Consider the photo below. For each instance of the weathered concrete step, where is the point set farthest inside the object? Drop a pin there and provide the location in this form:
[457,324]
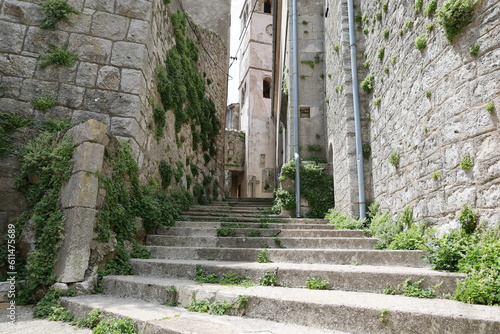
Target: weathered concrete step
[395,258]
[268,219]
[341,277]
[232,214]
[215,224]
[152,318]
[259,242]
[226,208]
[242,232]
[356,312]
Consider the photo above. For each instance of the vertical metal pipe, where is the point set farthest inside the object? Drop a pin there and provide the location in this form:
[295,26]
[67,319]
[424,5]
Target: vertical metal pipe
[357,118]
[295,88]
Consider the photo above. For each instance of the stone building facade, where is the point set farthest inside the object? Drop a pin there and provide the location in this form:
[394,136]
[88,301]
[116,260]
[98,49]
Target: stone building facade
[427,107]
[256,120]
[120,44]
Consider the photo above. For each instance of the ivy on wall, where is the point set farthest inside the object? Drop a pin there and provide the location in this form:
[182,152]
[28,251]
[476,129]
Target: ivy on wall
[182,90]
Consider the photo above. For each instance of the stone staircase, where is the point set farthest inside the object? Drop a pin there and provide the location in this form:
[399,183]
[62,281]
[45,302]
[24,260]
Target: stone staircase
[300,249]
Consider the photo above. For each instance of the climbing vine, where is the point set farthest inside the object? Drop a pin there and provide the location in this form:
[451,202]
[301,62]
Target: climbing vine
[182,90]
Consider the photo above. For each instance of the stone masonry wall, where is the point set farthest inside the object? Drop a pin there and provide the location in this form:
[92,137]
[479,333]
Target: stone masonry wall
[120,43]
[432,134]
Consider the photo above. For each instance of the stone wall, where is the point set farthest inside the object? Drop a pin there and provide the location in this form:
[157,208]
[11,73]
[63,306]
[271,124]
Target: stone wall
[432,110]
[120,43]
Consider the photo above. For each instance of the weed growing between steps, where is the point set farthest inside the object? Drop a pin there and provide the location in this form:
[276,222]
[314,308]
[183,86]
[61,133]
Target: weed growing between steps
[218,307]
[91,320]
[269,278]
[263,257]
[343,222]
[316,283]
[471,249]
[316,188]
[412,289]
[224,279]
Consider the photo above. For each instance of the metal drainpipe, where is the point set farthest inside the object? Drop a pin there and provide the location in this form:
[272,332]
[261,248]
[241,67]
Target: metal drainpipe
[295,107]
[357,118]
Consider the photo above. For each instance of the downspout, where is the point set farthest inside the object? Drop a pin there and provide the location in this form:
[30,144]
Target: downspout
[357,118]
[295,107]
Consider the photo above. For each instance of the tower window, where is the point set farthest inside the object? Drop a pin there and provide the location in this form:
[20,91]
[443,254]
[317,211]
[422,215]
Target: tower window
[266,90]
[267,6]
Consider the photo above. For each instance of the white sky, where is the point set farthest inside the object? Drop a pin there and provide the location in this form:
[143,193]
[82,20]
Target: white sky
[236,6]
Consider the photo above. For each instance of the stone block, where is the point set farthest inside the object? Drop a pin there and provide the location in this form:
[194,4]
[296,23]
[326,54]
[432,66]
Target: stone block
[80,191]
[57,73]
[113,103]
[102,5]
[128,127]
[77,23]
[21,12]
[11,86]
[128,54]
[71,96]
[12,36]
[108,78]
[132,81]
[109,26]
[73,257]
[39,40]
[138,31]
[90,131]
[15,65]
[137,9]
[85,115]
[88,157]
[32,88]
[92,49]
[16,106]
[87,74]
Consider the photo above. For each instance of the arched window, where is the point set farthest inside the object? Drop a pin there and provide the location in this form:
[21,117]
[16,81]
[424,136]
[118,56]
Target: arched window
[266,88]
[268,5]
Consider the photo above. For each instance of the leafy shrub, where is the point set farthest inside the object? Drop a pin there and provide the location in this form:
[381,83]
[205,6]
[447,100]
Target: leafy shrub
[140,252]
[482,286]
[316,283]
[55,11]
[58,56]
[9,123]
[113,326]
[51,303]
[394,158]
[467,163]
[455,15]
[43,102]
[490,107]
[269,278]
[60,314]
[430,9]
[381,53]
[468,219]
[412,238]
[91,320]
[166,174]
[367,83]
[421,42]
[410,289]
[418,6]
[343,222]
[445,253]
[385,229]
[263,257]
[226,232]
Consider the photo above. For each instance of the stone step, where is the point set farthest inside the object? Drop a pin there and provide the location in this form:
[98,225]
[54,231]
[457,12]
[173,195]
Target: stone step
[227,208]
[260,242]
[232,214]
[268,219]
[341,277]
[394,258]
[151,318]
[355,312]
[282,233]
[214,224]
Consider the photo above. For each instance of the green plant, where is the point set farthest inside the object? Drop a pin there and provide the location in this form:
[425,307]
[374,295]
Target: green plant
[263,257]
[219,307]
[411,289]
[467,163]
[421,42]
[445,253]
[316,283]
[114,326]
[55,11]
[386,70]
[336,47]
[311,63]
[430,9]
[490,107]
[160,119]
[367,83]
[9,123]
[474,50]
[454,15]
[241,302]
[91,320]
[277,242]
[468,219]
[43,102]
[436,174]
[400,32]
[60,314]
[366,31]
[418,6]
[385,6]
[339,88]
[394,158]
[314,148]
[384,228]
[383,316]
[393,60]
[413,238]
[380,53]
[269,278]
[166,174]
[429,27]
[58,56]
[226,232]
[428,94]
[366,64]
[343,222]
[254,234]
[408,24]
[378,16]
[167,2]
[386,33]
[367,150]
[51,303]
[139,252]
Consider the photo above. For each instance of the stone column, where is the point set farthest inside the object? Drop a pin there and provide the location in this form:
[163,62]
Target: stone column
[78,200]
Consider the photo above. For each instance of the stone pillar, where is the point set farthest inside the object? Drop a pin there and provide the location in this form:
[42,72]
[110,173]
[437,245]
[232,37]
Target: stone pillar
[78,200]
